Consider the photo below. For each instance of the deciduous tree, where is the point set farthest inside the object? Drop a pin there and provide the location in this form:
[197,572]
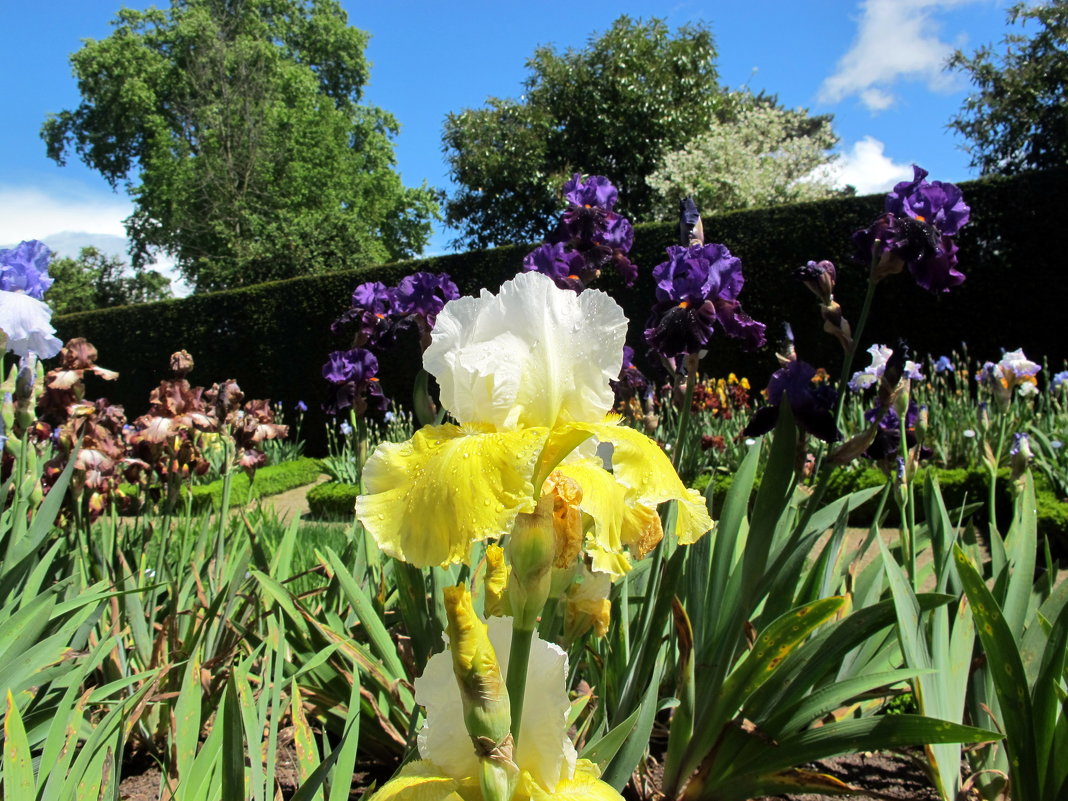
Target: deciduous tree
[613,108]
[760,155]
[1017,117]
[97,280]
[236,126]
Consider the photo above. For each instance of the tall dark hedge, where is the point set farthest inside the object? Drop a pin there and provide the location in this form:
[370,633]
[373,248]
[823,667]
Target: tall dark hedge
[273,338]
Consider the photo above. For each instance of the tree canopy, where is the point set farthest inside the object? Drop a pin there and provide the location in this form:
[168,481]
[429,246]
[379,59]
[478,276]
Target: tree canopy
[759,155]
[1017,119]
[613,108]
[236,126]
[96,280]
[618,107]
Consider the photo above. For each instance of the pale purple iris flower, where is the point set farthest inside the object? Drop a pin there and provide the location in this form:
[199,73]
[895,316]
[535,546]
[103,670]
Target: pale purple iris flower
[943,365]
[870,375]
[24,268]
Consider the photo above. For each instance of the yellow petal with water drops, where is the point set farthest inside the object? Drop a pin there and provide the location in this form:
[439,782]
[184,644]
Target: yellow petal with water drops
[422,781]
[429,498]
[640,465]
[614,563]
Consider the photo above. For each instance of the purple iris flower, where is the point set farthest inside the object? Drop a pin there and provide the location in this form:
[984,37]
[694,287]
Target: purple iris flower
[915,232]
[424,295]
[811,402]
[697,287]
[374,296]
[567,268]
[596,190]
[1059,379]
[887,442]
[24,268]
[352,373]
[938,204]
[357,365]
[631,382]
[585,227]
[301,406]
[372,313]
[589,237]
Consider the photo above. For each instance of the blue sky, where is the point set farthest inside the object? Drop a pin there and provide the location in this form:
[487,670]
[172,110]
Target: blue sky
[876,65]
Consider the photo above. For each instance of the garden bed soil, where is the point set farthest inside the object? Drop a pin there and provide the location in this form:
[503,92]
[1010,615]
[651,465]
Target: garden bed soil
[883,775]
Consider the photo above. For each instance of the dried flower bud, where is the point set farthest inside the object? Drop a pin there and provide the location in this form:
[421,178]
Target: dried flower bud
[181,363]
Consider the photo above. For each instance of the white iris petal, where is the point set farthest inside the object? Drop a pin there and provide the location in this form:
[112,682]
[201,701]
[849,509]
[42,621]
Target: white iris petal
[27,322]
[531,356]
[545,751]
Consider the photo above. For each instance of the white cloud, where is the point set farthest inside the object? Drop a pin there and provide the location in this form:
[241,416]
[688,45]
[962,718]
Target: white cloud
[896,40]
[30,213]
[72,217]
[866,167]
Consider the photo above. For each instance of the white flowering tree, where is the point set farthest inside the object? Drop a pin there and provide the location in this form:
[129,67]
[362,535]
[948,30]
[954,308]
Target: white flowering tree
[762,156]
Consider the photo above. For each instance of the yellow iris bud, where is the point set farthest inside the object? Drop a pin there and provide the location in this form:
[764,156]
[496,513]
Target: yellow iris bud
[484,695]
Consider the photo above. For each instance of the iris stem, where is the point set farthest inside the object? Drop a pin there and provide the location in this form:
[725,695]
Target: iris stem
[516,681]
[858,332]
[691,362]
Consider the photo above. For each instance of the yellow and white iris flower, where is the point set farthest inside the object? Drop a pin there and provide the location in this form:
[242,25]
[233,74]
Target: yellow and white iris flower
[526,374]
[447,769]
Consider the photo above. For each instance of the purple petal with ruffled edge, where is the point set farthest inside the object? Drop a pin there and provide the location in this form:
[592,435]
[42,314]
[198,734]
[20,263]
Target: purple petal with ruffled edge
[565,267]
[596,190]
[936,203]
[938,272]
[356,365]
[425,294]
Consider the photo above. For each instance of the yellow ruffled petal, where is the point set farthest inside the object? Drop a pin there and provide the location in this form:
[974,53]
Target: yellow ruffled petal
[422,781]
[429,498]
[585,785]
[639,464]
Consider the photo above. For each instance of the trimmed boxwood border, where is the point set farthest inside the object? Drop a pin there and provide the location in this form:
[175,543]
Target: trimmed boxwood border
[270,480]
